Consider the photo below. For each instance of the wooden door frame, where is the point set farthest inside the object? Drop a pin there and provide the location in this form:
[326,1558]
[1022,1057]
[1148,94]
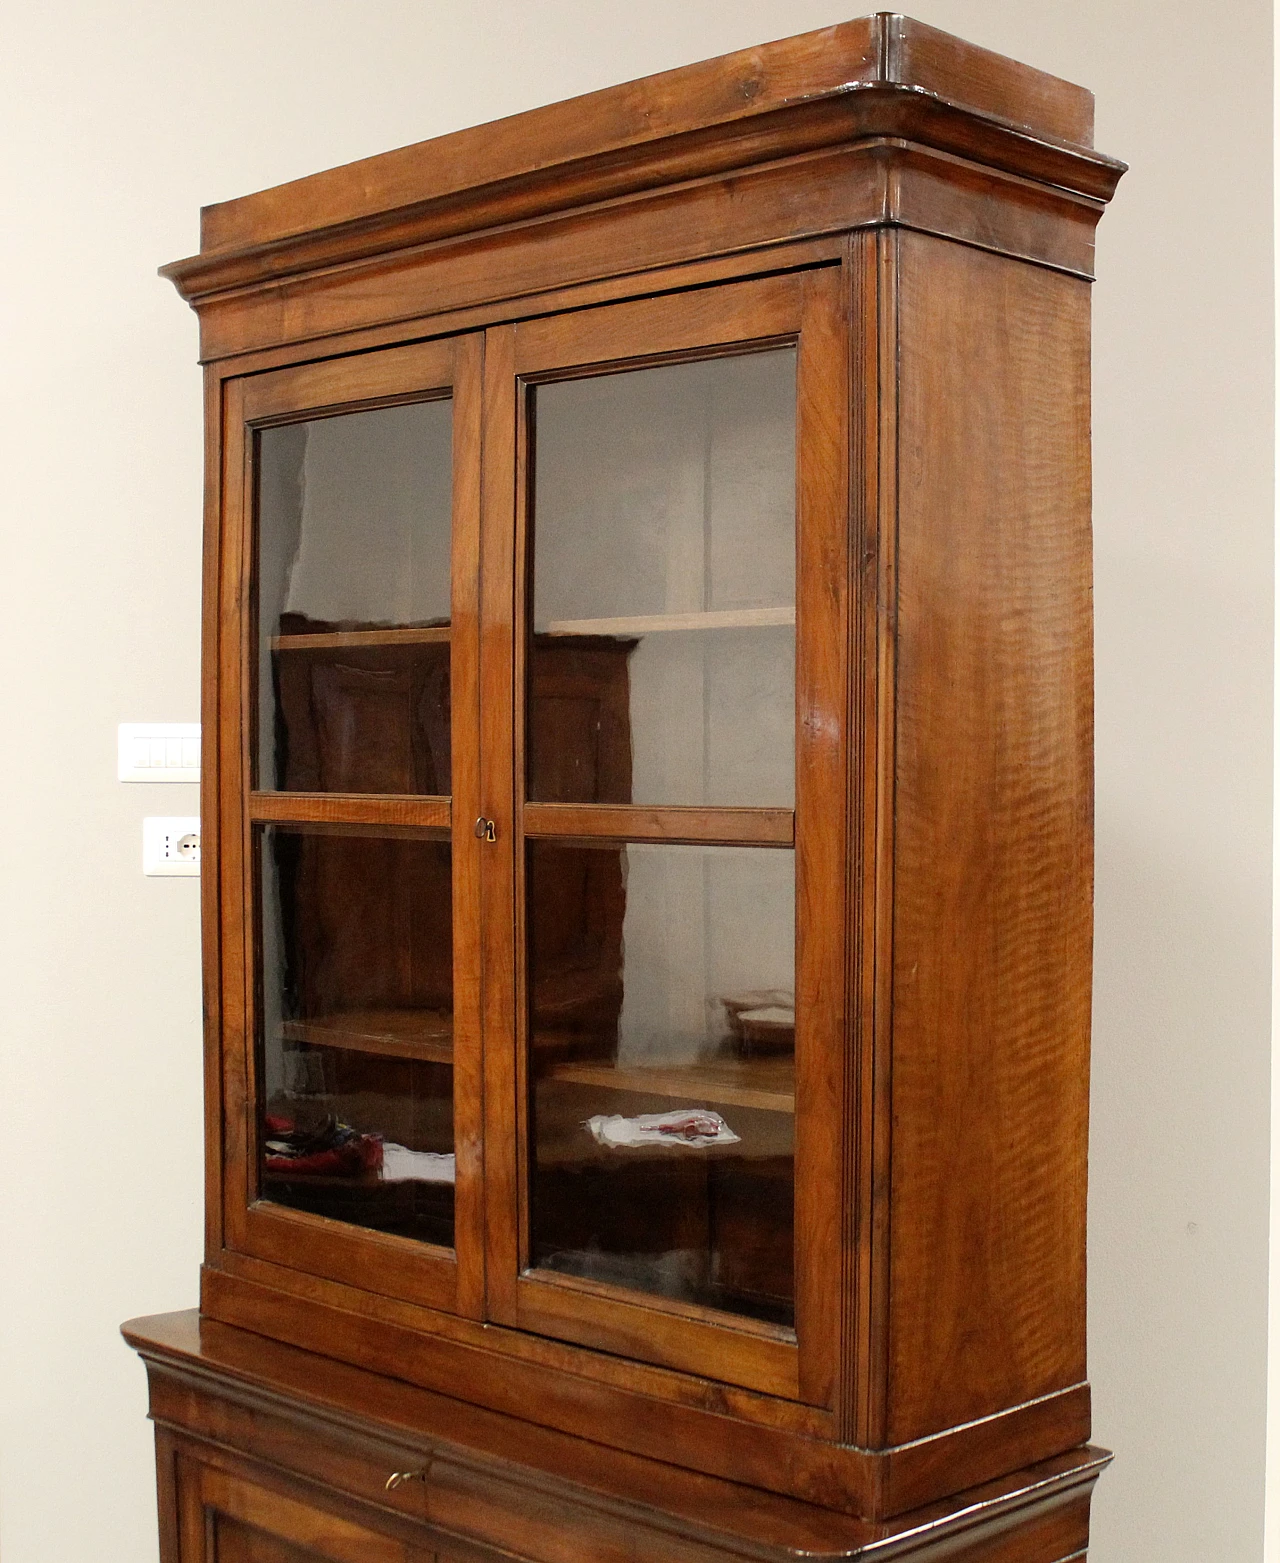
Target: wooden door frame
[807,309]
[396,1267]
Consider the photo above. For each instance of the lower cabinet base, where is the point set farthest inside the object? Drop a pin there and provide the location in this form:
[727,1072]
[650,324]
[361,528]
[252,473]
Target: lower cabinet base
[253,1468]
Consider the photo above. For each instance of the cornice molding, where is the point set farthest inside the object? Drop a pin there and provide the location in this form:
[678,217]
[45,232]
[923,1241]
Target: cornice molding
[881,76]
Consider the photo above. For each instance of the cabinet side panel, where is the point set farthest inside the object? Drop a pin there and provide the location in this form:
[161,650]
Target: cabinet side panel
[992,940]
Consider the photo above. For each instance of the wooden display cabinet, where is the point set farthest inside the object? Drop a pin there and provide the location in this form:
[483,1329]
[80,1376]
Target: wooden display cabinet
[647,823]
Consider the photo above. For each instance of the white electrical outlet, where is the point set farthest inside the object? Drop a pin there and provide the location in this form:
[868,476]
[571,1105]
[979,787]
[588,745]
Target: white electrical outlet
[171,846]
[158,752]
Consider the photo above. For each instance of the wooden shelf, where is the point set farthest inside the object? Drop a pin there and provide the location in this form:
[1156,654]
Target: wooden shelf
[423,1034]
[640,624]
[657,623]
[768,1084]
[333,640]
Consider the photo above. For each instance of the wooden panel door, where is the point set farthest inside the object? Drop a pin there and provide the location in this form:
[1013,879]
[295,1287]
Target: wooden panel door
[665,679]
[348,780]
[225,1517]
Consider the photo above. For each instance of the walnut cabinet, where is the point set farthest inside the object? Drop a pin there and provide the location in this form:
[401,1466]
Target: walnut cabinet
[647,829]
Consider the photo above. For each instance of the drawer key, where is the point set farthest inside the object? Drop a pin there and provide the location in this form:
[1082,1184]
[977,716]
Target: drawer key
[399,1478]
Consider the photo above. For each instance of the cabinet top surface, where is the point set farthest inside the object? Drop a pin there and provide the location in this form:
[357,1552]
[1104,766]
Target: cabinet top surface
[882,75]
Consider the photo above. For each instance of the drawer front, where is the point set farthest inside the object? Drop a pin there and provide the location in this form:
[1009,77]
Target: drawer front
[475,1511]
[243,1481]
[381,1472]
[230,1541]
[227,1518]
[229,1509]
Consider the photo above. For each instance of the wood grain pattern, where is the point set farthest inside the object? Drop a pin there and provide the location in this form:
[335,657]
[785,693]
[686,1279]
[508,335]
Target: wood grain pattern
[247,1521]
[499,670]
[804,309]
[874,75]
[879,651]
[673,823]
[954,198]
[993,834]
[697,323]
[764,312]
[513,1363]
[353,809]
[388,1033]
[802,199]
[415,373]
[917,216]
[167,1494]
[920,56]
[673,103]
[412,1271]
[468,801]
[822,752]
[672,1334]
[253,1439]
[617,287]
[625,1405]
[870,380]
[431,635]
[765,1083]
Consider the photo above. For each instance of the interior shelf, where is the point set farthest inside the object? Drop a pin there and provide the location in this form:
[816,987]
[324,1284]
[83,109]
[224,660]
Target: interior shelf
[423,1034]
[638,624]
[331,640]
[655,623]
[768,1084]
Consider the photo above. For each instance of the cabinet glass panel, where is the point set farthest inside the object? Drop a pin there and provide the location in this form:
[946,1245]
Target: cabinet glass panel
[356,1024]
[662,1068]
[662,669]
[354,525]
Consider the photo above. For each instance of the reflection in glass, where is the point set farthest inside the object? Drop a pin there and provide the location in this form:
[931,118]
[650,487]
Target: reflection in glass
[356,1001]
[664,546]
[662,1041]
[354,527]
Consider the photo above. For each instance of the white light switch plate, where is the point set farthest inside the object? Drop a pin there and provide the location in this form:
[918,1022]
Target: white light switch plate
[159,752]
[171,846]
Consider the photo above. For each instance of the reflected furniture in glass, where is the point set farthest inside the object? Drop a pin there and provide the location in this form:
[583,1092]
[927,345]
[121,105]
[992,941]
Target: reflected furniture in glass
[647,827]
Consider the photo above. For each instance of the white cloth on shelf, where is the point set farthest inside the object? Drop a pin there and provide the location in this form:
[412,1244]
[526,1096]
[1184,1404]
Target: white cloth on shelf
[685,1126]
[401,1165]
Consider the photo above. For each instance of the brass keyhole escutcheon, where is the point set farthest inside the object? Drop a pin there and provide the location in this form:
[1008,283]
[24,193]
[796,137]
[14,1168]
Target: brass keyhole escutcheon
[486,830]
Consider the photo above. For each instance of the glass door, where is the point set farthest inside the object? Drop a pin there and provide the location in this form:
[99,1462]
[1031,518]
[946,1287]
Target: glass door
[361,1058]
[679,727]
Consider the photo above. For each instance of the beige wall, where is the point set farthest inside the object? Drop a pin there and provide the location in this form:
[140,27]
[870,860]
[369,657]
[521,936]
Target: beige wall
[117,121]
